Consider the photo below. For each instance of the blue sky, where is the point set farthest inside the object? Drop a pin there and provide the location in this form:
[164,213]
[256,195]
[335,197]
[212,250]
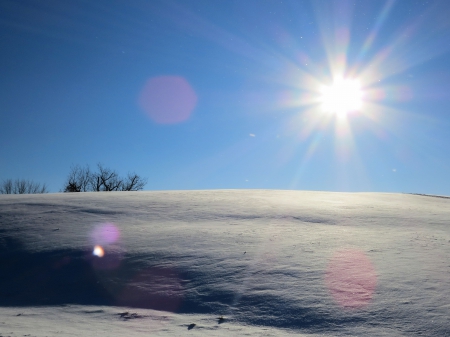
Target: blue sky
[226,94]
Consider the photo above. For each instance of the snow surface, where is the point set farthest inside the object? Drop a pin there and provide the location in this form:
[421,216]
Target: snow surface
[271,263]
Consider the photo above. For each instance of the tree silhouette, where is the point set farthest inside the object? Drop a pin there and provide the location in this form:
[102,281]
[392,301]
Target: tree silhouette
[82,179]
[22,186]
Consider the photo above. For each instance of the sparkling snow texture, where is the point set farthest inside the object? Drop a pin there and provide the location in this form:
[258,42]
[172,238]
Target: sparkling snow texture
[224,263]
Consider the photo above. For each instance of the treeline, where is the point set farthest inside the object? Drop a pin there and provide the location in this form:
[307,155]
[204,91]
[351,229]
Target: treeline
[21,186]
[80,179]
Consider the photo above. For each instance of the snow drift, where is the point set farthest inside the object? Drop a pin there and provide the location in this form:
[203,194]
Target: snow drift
[287,261]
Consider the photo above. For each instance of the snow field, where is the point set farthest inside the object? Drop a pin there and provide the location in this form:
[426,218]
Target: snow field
[271,262]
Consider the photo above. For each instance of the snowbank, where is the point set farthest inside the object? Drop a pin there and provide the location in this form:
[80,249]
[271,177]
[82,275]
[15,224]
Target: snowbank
[286,261]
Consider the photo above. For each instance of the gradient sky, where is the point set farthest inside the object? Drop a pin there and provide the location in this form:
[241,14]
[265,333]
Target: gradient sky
[208,94]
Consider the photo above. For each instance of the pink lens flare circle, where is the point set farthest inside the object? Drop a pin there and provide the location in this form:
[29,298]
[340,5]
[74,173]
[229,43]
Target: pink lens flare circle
[105,234]
[168,99]
[351,278]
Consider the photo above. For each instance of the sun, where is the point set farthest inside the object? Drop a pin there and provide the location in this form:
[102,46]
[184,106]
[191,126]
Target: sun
[345,95]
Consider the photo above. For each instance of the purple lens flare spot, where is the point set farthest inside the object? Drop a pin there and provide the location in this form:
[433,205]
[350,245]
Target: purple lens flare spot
[168,99]
[105,234]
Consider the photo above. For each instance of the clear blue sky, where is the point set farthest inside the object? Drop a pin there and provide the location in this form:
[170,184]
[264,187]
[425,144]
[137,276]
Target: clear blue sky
[209,94]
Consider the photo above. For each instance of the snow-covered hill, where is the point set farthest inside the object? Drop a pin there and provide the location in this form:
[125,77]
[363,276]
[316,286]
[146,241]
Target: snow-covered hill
[270,263]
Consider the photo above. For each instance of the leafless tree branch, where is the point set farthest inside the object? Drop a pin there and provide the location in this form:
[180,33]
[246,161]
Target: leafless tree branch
[21,186]
[133,182]
[104,179]
[79,179]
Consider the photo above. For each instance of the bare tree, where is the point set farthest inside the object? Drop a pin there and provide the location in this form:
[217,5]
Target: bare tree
[79,179]
[133,182]
[6,187]
[107,179]
[104,179]
[22,186]
[33,188]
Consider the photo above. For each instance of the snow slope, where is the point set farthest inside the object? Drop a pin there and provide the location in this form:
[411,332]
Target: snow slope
[272,263]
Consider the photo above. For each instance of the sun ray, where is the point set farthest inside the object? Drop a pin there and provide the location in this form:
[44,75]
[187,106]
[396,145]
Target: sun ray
[377,27]
[405,50]
[312,147]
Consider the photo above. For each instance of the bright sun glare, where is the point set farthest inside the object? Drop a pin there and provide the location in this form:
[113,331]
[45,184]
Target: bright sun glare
[342,97]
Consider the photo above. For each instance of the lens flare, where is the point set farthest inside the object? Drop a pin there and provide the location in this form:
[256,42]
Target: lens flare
[105,234]
[105,239]
[168,99]
[98,251]
[351,278]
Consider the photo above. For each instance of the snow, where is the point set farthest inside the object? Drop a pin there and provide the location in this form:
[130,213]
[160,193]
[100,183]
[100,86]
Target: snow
[271,263]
